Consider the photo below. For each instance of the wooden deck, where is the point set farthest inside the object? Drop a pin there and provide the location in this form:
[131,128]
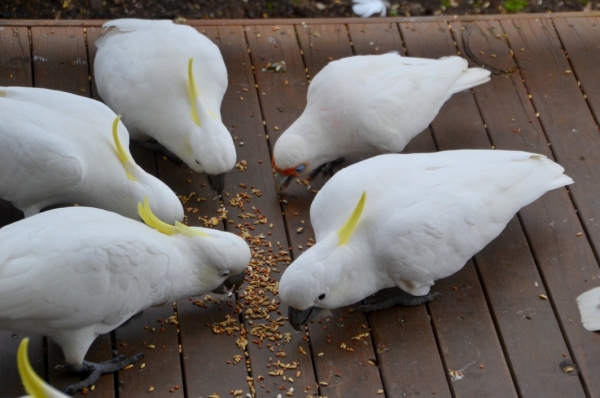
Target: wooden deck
[494,325]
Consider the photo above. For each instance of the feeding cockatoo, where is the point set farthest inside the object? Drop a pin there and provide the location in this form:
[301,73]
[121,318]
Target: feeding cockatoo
[60,148]
[589,308]
[34,385]
[366,106]
[74,273]
[168,82]
[411,228]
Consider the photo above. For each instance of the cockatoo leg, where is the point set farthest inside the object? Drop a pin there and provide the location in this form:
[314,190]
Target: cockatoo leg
[326,168]
[97,369]
[153,145]
[396,297]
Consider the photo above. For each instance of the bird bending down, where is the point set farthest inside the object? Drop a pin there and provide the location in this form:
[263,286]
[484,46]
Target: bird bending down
[60,148]
[366,106]
[74,273]
[410,228]
[168,82]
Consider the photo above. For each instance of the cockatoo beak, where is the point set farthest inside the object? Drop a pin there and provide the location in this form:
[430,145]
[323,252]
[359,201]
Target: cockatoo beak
[217,182]
[281,181]
[231,284]
[300,317]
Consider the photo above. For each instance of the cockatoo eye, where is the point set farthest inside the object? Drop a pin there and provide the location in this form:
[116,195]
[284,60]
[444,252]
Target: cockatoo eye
[300,169]
[197,161]
[322,296]
[224,273]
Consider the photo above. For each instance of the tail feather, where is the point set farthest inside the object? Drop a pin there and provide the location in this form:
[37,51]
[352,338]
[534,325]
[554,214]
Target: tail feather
[589,308]
[470,78]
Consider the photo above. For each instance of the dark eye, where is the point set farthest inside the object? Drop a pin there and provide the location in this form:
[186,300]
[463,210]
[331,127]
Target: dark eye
[225,273]
[300,169]
[322,296]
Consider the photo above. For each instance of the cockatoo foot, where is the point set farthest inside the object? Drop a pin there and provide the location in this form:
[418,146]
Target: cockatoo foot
[97,369]
[398,297]
[154,146]
[326,168]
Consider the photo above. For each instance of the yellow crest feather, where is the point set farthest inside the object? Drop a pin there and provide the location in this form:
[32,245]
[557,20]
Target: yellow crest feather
[33,383]
[151,220]
[120,150]
[193,92]
[346,231]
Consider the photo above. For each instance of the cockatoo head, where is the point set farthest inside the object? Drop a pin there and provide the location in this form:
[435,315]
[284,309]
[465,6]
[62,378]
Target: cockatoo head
[324,276]
[290,159]
[206,145]
[220,257]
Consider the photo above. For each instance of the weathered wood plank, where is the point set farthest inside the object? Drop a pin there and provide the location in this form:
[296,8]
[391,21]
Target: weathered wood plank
[569,126]
[463,323]
[411,338]
[246,116]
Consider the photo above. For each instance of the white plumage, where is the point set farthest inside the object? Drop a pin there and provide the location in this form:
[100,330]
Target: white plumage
[75,273]
[368,105]
[424,216]
[589,308]
[57,148]
[141,71]
[366,8]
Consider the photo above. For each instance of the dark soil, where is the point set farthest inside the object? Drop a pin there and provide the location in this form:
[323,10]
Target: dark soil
[237,9]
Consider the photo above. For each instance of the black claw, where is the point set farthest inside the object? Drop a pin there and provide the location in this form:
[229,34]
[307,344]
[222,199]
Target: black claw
[326,168]
[97,369]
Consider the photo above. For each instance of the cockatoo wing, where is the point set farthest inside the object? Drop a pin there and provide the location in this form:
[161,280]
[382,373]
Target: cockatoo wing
[65,278]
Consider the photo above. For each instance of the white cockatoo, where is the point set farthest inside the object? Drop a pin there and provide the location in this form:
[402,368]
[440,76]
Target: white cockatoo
[410,229]
[366,106]
[168,82]
[74,273]
[366,8]
[34,385]
[60,148]
[589,308]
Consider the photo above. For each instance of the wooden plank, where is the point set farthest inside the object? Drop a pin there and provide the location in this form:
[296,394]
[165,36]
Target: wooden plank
[347,374]
[463,323]
[421,369]
[256,181]
[557,97]
[60,63]
[564,114]
[580,38]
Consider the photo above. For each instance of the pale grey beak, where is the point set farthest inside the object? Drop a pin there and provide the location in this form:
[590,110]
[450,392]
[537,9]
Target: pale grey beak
[217,182]
[298,318]
[281,181]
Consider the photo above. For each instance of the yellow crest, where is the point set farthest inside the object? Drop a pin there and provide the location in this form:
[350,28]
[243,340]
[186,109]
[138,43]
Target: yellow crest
[193,92]
[151,220]
[346,231]
[120,150]
[31,381]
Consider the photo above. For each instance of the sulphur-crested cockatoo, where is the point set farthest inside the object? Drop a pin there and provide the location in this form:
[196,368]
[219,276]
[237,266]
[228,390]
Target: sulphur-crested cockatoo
[74,273]
[589,308]
[366,106]
[366,8]
[411,228]
[60,148]
[168,82]
[34,385]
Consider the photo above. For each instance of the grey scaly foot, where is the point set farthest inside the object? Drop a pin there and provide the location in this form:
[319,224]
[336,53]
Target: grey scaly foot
[326,168]
[97,369]
[154,146]
[398,298]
